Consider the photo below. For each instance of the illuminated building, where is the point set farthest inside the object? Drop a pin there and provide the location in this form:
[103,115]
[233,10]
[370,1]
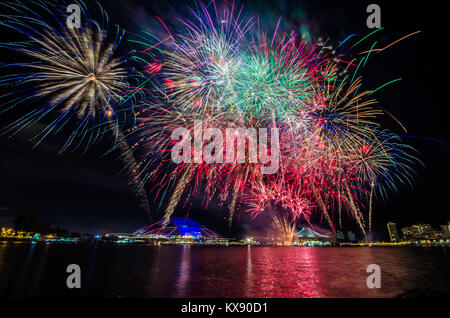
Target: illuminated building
[11,233]
[308,237]
[117,235]
[176,227]
[309,234]
[340,236]
[393,233]
[445,231]
[424,232]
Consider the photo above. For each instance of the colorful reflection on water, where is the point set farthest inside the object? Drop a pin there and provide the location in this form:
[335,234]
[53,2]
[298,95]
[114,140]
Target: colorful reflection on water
[193,271]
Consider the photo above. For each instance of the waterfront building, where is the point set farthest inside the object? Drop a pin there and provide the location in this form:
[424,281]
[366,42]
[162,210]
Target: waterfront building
[340,236]
[424,232]
[351,236]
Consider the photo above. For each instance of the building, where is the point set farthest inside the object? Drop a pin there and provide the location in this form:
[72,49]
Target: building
[340,236]
[308,234]
[176,227]
[393,233]
[308,237]
[424,232]
[445,231]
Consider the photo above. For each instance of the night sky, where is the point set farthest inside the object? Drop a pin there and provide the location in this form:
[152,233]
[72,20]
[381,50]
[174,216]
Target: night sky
[84,193]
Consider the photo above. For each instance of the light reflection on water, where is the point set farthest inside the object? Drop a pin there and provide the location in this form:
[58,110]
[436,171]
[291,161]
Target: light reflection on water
[193,271]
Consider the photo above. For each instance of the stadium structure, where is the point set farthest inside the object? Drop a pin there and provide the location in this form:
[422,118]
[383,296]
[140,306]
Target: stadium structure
[307,233]
[176,227]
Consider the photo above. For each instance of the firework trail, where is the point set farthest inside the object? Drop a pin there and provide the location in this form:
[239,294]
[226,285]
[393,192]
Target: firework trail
[372,185]
[129,163]
[285,203]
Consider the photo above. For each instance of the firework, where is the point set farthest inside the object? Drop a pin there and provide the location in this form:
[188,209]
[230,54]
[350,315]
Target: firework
[230,73]
[71,75]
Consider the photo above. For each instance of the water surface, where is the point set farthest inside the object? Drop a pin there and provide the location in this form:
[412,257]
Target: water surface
[197,271]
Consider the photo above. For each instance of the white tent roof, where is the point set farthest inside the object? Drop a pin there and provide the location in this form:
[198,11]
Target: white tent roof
[307,232]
